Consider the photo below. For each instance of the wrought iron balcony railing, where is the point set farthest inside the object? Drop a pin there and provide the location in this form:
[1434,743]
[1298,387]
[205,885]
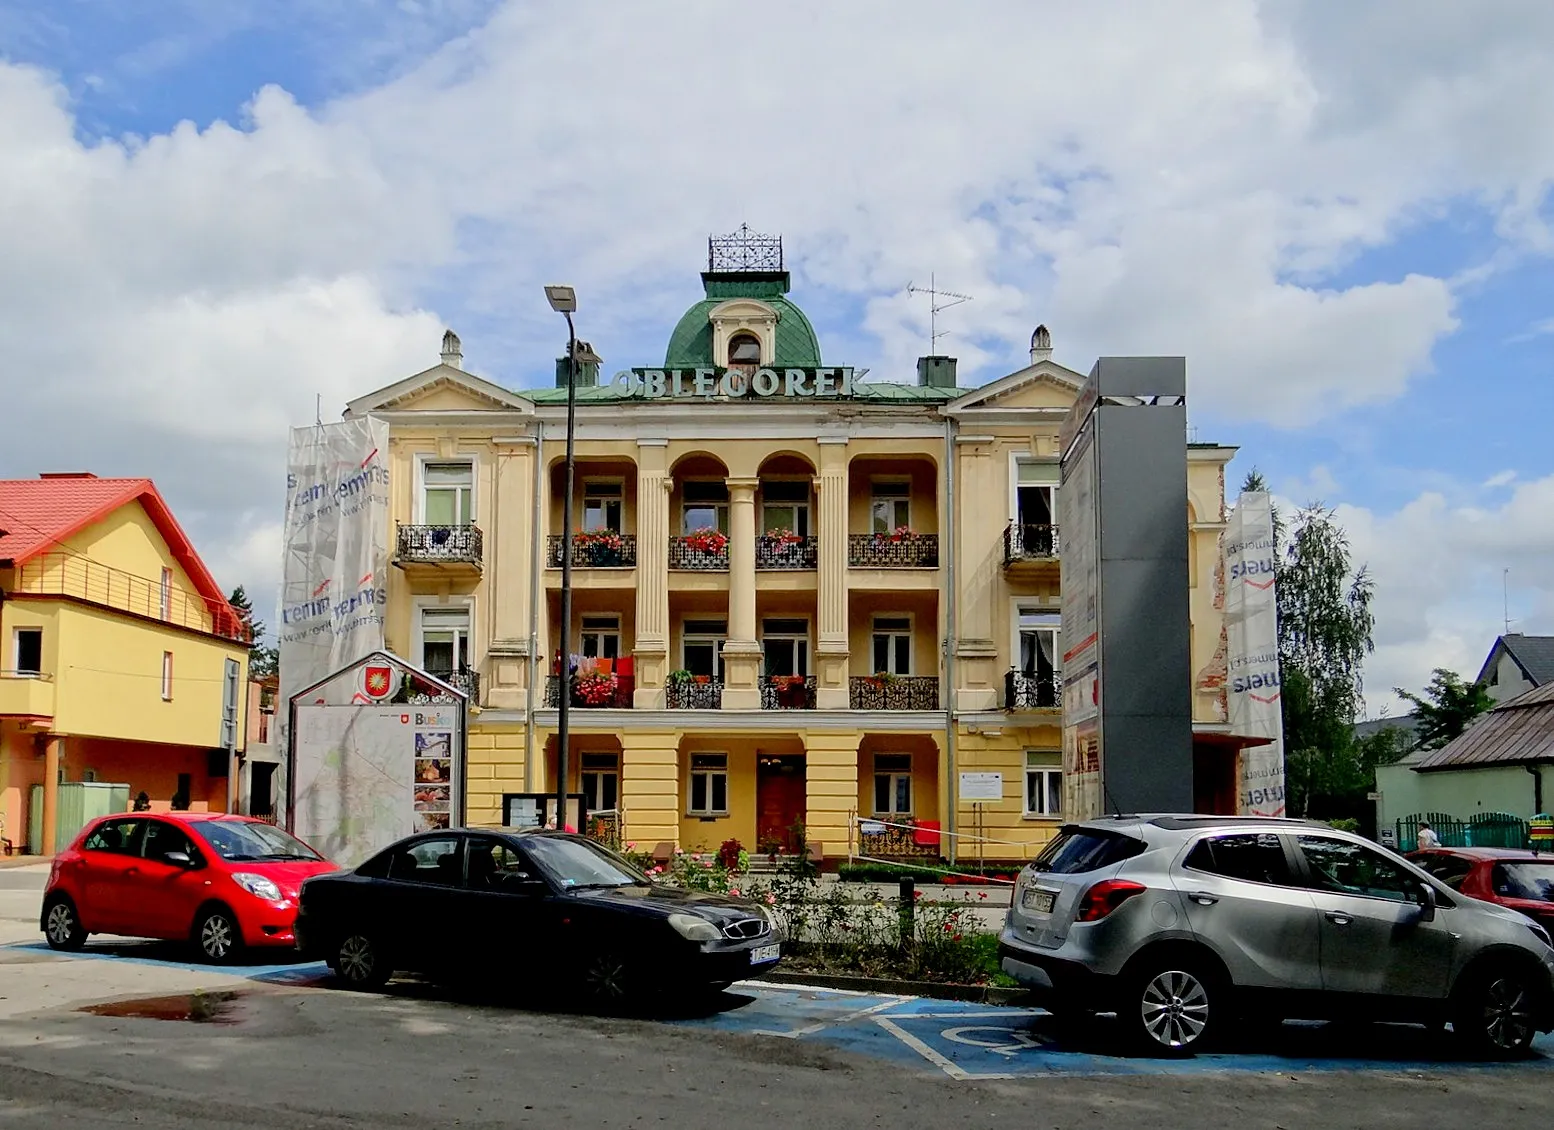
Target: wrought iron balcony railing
[441,545]
[1024,542]
[779,551]
[463,679]
[788,692]
[604,827]
[593,692]
[694,696]
[698,554]
[893,551]
[894,837]
[1032,692]
[594,551]
[893,692]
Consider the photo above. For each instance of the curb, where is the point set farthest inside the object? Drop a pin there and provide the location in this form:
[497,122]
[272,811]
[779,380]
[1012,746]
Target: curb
[890,986]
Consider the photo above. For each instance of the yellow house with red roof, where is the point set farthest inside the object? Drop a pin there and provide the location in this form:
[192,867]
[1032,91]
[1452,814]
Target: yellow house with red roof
[121,660]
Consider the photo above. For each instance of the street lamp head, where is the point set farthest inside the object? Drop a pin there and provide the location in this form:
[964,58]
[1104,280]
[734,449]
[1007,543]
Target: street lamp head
[562,299]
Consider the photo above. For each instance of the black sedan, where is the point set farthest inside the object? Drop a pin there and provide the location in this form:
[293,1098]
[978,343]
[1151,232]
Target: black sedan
[523,905]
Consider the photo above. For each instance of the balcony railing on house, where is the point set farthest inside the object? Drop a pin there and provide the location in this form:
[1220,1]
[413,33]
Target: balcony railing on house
[694,696]
[440,545]
[594,551]
[463,679]
[699,553]
[1032,692]
[786,551]
[788,692]
[893,551]
[893,692]
[596,691]
[1023,542]
[78,578]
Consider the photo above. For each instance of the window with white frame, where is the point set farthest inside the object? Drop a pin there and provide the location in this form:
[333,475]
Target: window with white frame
[890,505]
[701,648]
[165,603]
[1035,502]
[709,785]
[600,778]
[704,507]
[892,645]
[602,636]
[167,676]
[27,652]
[1043,782]
[447,494]
[603,506]
[785,646]
[1036,643]
[785,507]
[892,784]
[444,640]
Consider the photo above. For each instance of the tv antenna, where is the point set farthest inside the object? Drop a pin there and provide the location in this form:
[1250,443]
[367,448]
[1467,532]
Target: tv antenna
[1505,598]
[934,308]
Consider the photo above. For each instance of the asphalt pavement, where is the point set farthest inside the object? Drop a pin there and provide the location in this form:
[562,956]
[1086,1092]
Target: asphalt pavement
[134,1034]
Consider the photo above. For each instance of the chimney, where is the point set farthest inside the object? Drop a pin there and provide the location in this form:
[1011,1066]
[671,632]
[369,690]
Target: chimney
[587,371]
[452,352]
[1041,346]
[936,372]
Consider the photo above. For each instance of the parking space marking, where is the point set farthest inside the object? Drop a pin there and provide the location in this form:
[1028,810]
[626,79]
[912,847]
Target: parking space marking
[950,1068]
[811,1029]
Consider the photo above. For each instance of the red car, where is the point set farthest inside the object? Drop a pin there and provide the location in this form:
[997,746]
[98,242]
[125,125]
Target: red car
[221,882]
[1521,880]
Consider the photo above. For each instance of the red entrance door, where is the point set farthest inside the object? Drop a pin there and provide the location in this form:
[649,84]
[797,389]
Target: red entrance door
[779,802]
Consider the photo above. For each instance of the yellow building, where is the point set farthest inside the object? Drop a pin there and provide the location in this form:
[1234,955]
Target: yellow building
[122,662]
[770,554]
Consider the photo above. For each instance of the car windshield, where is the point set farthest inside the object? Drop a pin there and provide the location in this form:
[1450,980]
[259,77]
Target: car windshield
[241,842]
[577,864]
[1525,881]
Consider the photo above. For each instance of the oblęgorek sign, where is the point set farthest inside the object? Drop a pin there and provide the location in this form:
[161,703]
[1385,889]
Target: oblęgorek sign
[735,384]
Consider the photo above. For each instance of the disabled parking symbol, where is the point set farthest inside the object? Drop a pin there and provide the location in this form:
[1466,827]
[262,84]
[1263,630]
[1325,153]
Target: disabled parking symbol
[1007,1042]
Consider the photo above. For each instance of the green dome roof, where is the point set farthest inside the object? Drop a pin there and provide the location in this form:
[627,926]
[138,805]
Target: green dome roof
[690,346]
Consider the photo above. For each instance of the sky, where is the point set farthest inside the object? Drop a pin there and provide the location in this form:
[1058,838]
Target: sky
[217,215]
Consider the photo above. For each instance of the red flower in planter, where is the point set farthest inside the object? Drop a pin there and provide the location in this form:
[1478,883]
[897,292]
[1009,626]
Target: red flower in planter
[596,689]
[707,541]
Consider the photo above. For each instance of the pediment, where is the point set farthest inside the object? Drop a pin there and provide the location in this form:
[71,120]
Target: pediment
[742,310]
[442,388]
[1045,384]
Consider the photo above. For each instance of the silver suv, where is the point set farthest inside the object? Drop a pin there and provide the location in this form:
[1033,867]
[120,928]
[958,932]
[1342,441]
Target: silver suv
[1183,925]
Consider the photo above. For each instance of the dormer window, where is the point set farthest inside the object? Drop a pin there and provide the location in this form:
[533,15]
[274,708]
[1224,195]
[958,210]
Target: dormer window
[744,349]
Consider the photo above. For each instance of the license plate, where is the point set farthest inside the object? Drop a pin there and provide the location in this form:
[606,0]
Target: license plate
[1038,900]
[765,954]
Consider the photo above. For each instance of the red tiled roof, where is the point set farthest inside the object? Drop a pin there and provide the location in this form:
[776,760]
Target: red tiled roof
[41,515]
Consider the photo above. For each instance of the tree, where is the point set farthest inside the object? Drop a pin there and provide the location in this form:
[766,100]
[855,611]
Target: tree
[1447,707]
[1325,629]
[262,661]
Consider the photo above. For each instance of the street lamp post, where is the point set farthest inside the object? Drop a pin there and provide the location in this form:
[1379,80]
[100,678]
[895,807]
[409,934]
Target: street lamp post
[563,300]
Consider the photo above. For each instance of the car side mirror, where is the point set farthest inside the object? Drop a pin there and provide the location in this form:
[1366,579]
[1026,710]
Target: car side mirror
[177,859]
[1425,895]
[520,883]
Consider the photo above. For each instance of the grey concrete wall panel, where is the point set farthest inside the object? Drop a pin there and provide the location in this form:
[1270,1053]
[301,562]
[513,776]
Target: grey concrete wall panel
[1145,629]
[1140,376]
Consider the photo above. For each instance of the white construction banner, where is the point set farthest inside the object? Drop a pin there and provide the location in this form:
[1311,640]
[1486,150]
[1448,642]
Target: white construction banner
[1253,685]
[367,775]
[334,579]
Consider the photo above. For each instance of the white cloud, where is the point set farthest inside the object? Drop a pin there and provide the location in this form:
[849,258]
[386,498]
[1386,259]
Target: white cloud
[1500,479]
[1187,179]
[1438,568]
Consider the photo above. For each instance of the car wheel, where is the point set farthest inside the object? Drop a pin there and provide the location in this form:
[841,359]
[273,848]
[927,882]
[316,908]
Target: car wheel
[1171,1007]
[217,937]
[361,963]
[61,926]
[1495,1015]
[607,978]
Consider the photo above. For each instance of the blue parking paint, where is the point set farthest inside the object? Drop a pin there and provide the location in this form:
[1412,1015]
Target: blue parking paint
[963,1040]
[169,956]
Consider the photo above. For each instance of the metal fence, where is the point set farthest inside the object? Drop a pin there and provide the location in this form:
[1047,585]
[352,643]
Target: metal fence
[1487,829]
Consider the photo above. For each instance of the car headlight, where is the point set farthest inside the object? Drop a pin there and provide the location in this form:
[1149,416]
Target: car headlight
[258,886]
[694,929]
